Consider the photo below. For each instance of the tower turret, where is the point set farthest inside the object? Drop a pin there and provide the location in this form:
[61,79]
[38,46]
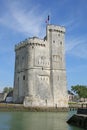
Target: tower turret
[55,38]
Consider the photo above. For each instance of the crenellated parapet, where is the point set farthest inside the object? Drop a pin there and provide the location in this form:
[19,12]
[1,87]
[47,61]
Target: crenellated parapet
[34,41]
[54,28]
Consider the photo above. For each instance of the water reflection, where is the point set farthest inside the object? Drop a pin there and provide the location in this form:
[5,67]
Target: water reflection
[35,121]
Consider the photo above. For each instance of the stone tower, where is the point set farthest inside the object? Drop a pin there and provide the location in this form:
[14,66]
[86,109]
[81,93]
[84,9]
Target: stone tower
[40,73]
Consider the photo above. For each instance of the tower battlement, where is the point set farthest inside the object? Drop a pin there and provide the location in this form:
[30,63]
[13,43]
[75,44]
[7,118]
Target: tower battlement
[60,29]
[34,41]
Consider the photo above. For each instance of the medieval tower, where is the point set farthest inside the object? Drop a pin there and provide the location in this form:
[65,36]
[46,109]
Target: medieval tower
[40,73]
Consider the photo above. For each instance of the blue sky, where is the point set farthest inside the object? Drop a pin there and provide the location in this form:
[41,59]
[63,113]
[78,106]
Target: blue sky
[20,19]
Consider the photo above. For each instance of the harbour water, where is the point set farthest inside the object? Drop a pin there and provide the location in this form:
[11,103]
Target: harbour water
[35,121]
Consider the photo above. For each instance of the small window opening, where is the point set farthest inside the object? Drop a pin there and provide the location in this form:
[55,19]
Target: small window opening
[24,77]
[53,41]
[61,42]
[22,57]
[59,34]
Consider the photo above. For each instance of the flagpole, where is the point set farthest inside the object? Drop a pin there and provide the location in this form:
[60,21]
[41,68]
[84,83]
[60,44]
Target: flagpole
[48,20]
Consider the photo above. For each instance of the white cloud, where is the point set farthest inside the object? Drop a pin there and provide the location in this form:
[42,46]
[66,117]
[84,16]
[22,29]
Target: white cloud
[28,21]
[72,43]
[77,47]
[81,51]
[31,20]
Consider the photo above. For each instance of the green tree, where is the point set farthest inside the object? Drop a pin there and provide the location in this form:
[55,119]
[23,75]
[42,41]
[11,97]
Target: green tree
[7,89]
[81,90]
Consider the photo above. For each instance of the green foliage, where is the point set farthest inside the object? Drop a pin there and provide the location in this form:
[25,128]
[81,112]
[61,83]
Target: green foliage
[81,90]
[7,89]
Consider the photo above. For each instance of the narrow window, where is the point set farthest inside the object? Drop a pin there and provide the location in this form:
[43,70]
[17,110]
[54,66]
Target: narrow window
[22,57]
[53,41]
[59,34]
[17,57]
[61,43]
[24,77]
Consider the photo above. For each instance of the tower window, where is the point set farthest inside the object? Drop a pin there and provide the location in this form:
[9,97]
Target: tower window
[24,77]
[22,57]
[61,43]
[59,34]
[17,57]
[53,41]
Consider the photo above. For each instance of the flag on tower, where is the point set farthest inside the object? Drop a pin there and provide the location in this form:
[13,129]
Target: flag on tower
[48,18]
[47,21]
